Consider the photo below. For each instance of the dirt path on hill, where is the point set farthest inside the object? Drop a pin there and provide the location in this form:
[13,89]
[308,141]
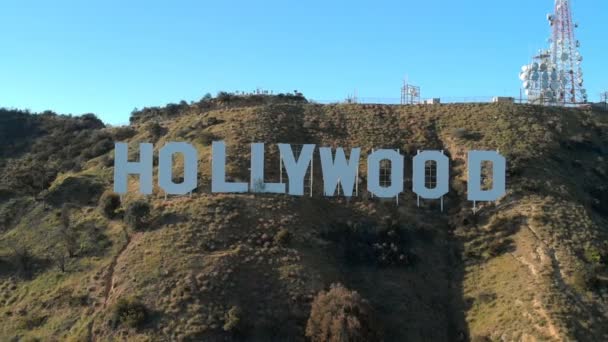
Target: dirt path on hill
[108,277]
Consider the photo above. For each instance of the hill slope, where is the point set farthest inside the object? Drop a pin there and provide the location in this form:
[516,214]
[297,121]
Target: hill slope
[532,266]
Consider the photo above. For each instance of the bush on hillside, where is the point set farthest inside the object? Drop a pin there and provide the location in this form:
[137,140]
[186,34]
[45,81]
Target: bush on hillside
[82,189]
[91,121]
[154,129]
[223,96]
[122,133]
[207,97]
[341,315]
[593,255]
[109,203]
[129,312]
[136,214]
[100,147]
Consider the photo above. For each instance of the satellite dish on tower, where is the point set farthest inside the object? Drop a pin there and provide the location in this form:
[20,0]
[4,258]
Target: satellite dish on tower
[535,76]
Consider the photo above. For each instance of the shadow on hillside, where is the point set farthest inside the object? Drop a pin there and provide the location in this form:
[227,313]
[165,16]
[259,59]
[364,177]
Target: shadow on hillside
[419,300]
[457,326]
[22,266]
[159,221]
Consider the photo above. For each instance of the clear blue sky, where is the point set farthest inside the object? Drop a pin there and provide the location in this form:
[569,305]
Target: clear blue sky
[108,57]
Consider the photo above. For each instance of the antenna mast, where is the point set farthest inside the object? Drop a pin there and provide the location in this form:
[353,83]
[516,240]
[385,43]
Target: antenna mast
[555,76]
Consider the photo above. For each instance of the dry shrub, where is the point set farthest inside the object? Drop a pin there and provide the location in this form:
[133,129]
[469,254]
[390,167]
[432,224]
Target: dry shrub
[341,315]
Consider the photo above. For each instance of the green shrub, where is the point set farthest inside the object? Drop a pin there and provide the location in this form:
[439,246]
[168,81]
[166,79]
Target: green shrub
[136,214]
[91,121]
[109,203]
[129,312]
[223,96]
[593,255]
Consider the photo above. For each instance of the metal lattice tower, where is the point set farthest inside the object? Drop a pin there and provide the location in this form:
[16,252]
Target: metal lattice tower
[604,99]
[555,77]
[410,94]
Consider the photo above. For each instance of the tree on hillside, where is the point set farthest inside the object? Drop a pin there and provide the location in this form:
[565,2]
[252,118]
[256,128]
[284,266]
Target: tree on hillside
[341,315]
[20,256]
[68,236]
[57,255]
[207,97]
[91,121]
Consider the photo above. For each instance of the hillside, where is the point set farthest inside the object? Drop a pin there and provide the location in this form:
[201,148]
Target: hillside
[215,267]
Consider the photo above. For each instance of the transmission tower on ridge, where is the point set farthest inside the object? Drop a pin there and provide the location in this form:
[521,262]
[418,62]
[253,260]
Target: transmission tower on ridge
[555,76]
[410,94]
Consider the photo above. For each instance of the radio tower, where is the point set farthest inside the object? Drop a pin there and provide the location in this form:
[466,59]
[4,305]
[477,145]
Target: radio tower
[556,77]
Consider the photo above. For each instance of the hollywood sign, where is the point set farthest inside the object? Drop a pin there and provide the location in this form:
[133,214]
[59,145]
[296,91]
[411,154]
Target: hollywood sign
[336,169]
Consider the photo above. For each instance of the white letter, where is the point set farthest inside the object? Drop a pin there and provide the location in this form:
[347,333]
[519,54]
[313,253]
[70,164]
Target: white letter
[123,168]
[499,165]
[296,170]
[373,173]
[218,171]
[257,172]
[165,168]
[339,170]
[443,174]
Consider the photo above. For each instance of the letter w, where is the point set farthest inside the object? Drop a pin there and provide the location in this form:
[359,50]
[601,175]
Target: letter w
[339,170]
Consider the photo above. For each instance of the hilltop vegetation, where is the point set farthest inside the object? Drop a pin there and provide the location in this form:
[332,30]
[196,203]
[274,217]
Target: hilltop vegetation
[80,263]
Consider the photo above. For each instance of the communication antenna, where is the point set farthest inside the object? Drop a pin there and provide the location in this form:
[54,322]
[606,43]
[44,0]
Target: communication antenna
[410,94]
[352,98]
[555,76]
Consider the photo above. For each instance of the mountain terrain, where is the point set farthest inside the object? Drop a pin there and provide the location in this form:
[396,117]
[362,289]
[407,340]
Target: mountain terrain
[79,263]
